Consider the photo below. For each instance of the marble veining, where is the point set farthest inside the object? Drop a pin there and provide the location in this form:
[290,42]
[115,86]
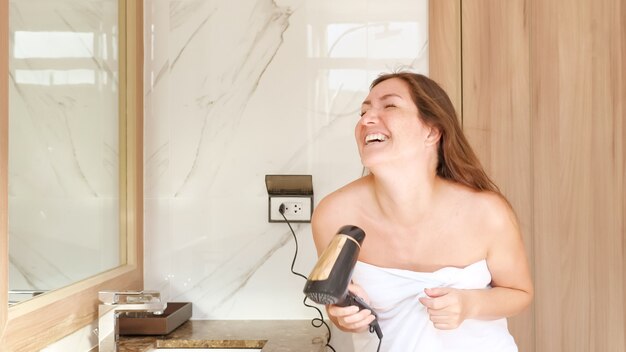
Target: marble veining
[269,335]
[242,76]
[235,279]
[238,91]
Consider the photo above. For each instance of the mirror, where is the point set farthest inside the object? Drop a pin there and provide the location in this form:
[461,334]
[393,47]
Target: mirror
[64,146]
[112,204]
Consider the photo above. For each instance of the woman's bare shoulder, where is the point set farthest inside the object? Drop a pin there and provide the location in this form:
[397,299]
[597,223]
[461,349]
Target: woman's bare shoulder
[490,210]
[491,213]
[346,194]
[335,208]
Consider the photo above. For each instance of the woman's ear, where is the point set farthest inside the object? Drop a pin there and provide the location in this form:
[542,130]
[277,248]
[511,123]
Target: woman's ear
[433,136]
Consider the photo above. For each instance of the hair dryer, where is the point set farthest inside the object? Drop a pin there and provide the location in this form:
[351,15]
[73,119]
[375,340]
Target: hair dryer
[329,279]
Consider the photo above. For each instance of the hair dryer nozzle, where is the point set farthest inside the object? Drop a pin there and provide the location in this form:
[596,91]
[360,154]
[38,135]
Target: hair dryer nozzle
[328,282]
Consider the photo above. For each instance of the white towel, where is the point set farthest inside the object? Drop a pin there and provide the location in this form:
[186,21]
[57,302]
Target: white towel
[404,320]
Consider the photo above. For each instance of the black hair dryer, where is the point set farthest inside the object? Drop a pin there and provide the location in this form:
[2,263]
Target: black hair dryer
[329,279]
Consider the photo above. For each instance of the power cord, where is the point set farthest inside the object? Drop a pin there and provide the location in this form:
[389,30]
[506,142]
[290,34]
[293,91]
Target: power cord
[316,322]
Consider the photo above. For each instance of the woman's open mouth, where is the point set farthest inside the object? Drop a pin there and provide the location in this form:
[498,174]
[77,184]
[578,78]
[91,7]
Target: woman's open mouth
[375,138]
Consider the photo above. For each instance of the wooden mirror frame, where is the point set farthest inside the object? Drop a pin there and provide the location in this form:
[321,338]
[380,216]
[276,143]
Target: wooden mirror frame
[35,324]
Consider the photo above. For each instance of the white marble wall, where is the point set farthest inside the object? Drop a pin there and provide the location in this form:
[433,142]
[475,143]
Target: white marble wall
[239,89]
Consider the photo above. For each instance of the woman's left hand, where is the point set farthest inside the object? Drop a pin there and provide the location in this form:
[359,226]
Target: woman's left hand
[446,307]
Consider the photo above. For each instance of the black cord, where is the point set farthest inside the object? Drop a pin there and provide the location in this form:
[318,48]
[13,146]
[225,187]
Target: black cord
[316,322]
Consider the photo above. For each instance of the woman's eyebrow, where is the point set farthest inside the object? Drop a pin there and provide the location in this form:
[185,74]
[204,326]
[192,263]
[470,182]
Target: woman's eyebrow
[386,96]
[390,95]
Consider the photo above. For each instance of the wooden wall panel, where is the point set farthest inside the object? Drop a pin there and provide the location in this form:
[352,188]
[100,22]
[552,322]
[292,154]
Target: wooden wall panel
[444,47]
[496,112]
[574,176]
[568,188]
[578,116]
[621,115]
[544,103]
[549,317]
[606,100]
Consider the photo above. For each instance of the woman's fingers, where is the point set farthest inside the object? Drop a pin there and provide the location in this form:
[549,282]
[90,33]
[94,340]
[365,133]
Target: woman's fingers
[359,291]
[444,326]
[338,311]
[357,322]
[351,318]
[444,307]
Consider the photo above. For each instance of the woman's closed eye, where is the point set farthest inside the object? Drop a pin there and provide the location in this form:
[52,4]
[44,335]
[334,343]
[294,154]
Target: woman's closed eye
[385,106]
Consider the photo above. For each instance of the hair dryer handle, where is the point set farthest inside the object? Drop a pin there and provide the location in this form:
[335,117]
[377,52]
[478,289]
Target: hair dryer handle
[354,300]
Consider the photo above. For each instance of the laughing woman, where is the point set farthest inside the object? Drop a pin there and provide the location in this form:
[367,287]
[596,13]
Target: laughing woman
[443,264]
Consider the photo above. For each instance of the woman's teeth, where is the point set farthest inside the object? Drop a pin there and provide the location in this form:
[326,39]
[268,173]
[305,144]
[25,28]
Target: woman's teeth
[375,137]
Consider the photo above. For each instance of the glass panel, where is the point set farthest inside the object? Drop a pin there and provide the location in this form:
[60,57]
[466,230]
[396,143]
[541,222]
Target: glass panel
[63,143]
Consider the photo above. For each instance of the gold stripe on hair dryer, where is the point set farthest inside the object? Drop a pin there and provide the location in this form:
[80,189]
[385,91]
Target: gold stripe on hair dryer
[331,275]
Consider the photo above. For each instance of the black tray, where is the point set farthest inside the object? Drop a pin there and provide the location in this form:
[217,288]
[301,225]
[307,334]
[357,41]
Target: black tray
[174,315]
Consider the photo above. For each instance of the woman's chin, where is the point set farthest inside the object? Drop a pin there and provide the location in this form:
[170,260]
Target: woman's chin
[372,162]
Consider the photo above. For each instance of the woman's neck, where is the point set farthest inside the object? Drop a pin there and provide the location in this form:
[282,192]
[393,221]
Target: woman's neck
[407,196]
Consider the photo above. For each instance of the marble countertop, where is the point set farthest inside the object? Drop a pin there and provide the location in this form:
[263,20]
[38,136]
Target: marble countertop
[271,335]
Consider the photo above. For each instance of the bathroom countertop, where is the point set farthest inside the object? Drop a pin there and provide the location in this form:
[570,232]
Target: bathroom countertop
[281,336]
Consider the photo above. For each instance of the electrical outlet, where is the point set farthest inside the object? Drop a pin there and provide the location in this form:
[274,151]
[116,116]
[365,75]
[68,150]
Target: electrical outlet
[297,209]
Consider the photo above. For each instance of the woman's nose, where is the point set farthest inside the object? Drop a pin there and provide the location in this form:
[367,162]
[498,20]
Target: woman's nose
[369,117]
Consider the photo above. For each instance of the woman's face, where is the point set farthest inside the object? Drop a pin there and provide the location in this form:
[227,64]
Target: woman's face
[390,130]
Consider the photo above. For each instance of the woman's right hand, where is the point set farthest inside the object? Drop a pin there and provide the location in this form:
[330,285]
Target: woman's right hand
[350,318]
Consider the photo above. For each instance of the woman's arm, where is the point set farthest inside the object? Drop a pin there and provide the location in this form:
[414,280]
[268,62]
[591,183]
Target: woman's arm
[512,288]
[326,220]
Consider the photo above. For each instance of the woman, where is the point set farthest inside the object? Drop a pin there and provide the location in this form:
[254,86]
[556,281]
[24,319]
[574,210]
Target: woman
[443,263]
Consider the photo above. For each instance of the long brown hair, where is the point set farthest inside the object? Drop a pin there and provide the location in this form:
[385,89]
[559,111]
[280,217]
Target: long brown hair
[456,159]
